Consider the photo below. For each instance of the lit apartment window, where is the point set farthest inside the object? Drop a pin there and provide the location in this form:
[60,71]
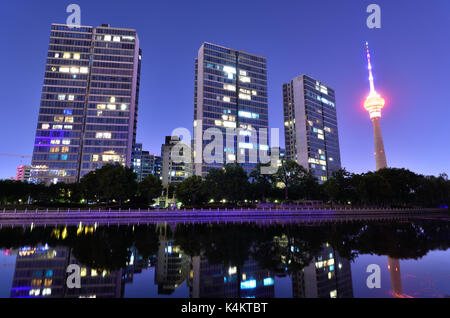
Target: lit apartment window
[103,135]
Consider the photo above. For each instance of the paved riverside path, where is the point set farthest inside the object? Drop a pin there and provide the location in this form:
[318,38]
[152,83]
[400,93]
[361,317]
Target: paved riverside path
[97,216]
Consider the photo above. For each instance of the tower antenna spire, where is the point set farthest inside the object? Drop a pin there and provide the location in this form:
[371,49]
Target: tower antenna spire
[372,86]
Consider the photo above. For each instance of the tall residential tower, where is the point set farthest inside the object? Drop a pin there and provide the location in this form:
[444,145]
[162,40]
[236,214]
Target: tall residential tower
[89,102]
[230,92]
[310,126]
[373,104]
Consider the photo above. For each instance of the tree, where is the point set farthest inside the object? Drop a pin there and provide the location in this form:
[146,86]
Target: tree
[110,182]
[261,184]
[192,191]
[339,188]
[374,189]
[230,183]
[290,174]
[150,188]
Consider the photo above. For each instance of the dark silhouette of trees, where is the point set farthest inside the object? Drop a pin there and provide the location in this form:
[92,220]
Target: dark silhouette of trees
[149,189]
[192,191]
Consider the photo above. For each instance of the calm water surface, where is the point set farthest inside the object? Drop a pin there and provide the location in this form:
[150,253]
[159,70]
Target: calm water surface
[228,260]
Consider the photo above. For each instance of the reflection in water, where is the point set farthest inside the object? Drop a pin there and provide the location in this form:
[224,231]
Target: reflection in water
[396,279]
[237,260]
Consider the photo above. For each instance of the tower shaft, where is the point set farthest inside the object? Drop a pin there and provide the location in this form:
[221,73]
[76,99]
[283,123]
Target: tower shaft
[380,155]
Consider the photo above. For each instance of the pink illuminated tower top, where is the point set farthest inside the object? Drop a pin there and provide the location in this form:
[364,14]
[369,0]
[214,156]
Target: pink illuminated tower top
[374,102]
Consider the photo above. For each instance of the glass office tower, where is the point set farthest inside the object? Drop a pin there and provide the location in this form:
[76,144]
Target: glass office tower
[310,126]
[89,102]
[230,92]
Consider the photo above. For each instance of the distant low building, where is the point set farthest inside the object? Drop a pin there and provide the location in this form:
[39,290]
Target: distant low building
[145,164]
[23,173]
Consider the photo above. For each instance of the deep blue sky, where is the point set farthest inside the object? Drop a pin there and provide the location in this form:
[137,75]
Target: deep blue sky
[324,39]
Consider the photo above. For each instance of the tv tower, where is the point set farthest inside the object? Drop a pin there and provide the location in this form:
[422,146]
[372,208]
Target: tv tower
[373,104]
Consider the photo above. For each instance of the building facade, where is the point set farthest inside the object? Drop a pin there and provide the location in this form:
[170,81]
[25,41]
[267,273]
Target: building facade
[89,102]
[230,92]
[23,173]
[145,164]
[310,126]
[174,168]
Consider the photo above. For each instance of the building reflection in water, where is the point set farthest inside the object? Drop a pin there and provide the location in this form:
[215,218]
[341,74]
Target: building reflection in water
[172,264]
[327,276]
[246,281]
[41,272]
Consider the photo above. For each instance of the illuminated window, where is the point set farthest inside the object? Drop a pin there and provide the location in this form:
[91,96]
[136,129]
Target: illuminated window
[94,157]
[58,119]
[229,87]
[243,73]
[244,79]
[56,55]
[45,126]
[112,99]
[64,69]
[66,55]
[245,96]
[107,38]
[54,149]
[64,149]
[71,97]
[84,70]
[66,142]
[226,99]
[116,39]
[76,56]
[229,124]
[124,107]
[99,112]
[55,141]
[229,71]
[69,127]
[101,106]
[61,97]
[68,119]
[103,135]
[83,272]
[333,293]
[111,107]
[46,291]
[57,127]
[93,273]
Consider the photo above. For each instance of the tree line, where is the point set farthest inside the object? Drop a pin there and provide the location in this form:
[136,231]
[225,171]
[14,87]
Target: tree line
[116,186]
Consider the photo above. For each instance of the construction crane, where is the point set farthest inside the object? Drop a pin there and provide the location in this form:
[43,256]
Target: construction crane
[14,155]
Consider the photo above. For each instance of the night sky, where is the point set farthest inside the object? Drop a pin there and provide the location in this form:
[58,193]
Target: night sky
[324,39]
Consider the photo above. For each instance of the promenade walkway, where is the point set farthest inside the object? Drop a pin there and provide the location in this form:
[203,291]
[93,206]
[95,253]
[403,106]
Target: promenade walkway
[98,216]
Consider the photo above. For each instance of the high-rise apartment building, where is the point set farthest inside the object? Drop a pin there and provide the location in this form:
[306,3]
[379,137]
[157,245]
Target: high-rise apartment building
[310,126]
[89,102]
[230,92]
